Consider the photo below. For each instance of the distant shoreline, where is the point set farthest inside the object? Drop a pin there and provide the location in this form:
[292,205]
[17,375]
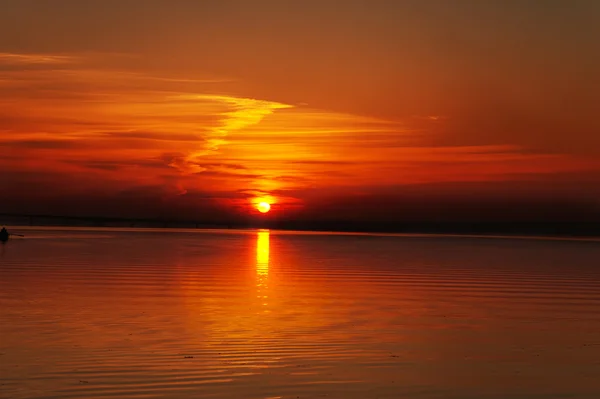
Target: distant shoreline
[575,229]
[304,232]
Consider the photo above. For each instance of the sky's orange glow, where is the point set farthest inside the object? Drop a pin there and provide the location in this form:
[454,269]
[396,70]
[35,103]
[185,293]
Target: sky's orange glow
[103,105]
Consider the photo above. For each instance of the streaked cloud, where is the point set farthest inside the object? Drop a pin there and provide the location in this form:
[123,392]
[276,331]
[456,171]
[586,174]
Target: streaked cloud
[25,59]
[240,113]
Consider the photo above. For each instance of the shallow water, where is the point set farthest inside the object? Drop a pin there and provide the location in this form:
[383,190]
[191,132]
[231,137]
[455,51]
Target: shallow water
[245,314]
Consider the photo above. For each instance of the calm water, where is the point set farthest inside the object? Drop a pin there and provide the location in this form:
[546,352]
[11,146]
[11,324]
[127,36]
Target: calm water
[155,314]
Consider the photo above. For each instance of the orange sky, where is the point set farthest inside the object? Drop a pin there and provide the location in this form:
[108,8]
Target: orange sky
[136,108]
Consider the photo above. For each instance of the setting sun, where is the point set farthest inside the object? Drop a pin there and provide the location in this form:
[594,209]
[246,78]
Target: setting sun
[263,207]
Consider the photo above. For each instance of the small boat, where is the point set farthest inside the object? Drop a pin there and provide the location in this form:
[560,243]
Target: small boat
[4,235]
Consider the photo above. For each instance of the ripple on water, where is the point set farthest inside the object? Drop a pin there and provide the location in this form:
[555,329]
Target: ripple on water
[134,314]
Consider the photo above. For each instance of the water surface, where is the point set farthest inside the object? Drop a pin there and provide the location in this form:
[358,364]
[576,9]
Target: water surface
[257,314]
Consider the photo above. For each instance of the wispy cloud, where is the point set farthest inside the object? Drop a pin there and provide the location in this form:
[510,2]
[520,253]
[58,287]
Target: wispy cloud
[239,114]
[24,59]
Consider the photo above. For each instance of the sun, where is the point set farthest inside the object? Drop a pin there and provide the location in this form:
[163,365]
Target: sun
[263,207]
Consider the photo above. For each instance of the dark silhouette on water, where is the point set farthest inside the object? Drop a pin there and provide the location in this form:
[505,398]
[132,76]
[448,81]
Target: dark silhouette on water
[4,235]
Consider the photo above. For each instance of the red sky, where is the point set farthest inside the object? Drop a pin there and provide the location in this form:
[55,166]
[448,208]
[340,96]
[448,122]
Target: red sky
[327,109]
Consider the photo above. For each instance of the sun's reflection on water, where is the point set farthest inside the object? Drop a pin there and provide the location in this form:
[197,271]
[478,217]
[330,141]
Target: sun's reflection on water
[262,265]
[262,253]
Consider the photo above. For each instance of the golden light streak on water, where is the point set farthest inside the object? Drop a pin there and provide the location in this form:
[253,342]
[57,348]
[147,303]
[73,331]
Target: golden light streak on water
[262,266]
[262,252]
